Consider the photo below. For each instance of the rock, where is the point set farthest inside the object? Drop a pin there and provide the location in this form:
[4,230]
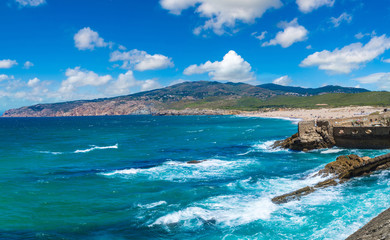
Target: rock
[195,161]
[341,170]
[306,143]
[377,229]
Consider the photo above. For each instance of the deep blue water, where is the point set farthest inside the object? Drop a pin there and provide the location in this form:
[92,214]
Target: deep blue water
[127,177]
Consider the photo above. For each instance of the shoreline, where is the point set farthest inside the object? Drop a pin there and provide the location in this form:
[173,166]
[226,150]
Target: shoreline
[313,114]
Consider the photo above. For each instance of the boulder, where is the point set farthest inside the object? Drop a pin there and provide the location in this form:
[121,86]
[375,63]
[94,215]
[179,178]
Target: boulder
[339,171]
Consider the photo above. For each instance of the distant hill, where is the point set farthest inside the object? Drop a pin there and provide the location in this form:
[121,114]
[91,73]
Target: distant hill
[311,91]
[205,97]
[201,90]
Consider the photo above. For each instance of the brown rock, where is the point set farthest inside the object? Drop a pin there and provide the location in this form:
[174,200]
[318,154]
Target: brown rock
[343,169]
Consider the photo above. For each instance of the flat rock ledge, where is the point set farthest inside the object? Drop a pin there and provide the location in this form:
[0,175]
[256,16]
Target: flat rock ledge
[377,229]
[343,169]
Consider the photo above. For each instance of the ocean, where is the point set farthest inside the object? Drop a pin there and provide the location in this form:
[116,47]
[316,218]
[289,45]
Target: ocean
[127,177]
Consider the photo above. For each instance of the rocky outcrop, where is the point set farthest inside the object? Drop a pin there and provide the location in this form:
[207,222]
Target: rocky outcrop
[377,229]
[339,171]
[308,138]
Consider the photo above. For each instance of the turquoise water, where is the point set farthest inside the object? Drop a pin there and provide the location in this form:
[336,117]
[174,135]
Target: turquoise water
[127,178]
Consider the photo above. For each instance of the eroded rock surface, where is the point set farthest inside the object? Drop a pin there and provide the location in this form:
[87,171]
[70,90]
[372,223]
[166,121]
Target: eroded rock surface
[339,171]
[377,229]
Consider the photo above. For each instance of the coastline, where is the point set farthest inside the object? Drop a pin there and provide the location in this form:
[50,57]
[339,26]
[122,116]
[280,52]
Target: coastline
[312,114]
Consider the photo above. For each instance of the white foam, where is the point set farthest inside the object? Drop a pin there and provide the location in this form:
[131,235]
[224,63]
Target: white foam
[182,171]
[152,205]
[54,153]
[231,210]
[125,172]
[96,148]
[332,150]
[267,146]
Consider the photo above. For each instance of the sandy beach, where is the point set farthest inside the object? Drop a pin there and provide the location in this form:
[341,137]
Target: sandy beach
[322,113]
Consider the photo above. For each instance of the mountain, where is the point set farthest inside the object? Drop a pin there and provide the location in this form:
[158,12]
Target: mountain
[194,98]
[287,90]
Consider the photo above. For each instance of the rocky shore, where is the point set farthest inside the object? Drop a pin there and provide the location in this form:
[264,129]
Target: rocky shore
[338,172]
[377,229]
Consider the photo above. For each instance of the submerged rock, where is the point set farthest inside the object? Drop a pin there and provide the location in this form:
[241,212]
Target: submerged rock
[341,170]
[195,161]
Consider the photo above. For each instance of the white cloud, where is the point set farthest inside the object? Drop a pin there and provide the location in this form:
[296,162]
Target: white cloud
[30,3]
[386,60]
[350,57]
[222,14]
[126,82]
[28,65]
[79,78]
[100,86]
[141,60]
[284,80]
[33,82]
[86,38]
[4,77]
[150,84]
[7,63]
[360,35]
[259,36]
[292,33]
[343,17]
[177,82]
[33,90]
[307,6]
[381,79]
[232,68]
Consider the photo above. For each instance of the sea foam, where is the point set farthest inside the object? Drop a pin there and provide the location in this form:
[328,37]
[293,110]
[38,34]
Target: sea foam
[182,171]
[96,148]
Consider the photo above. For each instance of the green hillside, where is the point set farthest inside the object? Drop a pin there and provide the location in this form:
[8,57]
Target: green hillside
[251,103]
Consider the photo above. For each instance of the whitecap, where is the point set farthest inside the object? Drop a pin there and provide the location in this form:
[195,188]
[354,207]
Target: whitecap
[97,148]
[231,210]
[152,205]
[267,146]
[332,150]
[49,152]
[182,171]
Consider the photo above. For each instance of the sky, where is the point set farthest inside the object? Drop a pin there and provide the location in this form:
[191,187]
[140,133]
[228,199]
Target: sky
[61,50]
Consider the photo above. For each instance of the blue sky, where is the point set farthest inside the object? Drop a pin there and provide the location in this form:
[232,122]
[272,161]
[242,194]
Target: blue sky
[60,50]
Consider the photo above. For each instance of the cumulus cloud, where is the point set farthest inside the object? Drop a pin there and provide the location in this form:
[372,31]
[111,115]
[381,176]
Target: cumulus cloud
[33,82]
[386,60]
[87,39]
[28,65]
[141,60]
[284,80]
[7,63]
[350,57]
[382,80]
[307,6]
[292,33]
[232,68]
[30,3]
[344,17]
[126,82]
[5,77]
[221,15]
[33,90]
[78,77]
